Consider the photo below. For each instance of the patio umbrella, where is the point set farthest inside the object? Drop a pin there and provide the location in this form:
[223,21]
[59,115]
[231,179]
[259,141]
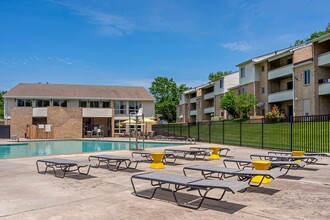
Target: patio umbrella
[149,121]
[132,121]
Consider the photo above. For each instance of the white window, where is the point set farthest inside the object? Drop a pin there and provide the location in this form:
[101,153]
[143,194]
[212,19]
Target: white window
[24,102]
[94,104]
[63,103]
[307,77]
[120,107]
[119,126]
[221,83]
[243,91]
[242,72]
[134,106]
[42,103]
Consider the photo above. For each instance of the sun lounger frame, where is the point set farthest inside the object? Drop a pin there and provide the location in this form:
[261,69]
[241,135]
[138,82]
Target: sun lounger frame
[197,154]
[116,161]
[64,165]
[223,173]
[168,157]
[222,149]
[184,183]
[306,159]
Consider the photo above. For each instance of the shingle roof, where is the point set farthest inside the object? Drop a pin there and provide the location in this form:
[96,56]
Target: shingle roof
[34,90]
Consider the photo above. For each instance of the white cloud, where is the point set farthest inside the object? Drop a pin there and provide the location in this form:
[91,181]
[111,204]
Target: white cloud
[238,46]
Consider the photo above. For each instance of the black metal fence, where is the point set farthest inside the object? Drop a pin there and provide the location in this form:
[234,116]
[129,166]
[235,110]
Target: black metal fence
[5,131]
[309,133]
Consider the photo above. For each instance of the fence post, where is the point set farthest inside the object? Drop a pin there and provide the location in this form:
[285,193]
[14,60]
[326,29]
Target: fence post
[291,127]
[180,130]
[262,133]
[188,130]
[240,132]
[198,131]
[223,131]
[209,131]
[168,129]
[174,126]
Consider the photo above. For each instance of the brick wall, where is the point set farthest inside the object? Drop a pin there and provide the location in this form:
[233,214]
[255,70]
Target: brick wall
[302,54]
[66,122]
[20,118]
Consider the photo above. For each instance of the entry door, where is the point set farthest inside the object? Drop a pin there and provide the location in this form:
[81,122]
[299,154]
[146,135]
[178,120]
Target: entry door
[307,107]
[290,110]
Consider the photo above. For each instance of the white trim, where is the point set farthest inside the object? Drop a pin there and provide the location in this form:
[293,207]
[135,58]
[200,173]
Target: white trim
[78,98]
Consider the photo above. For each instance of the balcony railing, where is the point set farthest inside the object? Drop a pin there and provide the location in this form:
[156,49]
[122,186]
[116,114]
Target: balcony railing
[324,88]
[39,112]
[97,112]
[209,96]
[324,59]
[208,110]
[193,112]
[193,100]
[280,96]
[280,72]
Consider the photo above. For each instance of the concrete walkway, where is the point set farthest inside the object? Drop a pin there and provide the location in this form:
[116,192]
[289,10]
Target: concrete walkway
[25,194]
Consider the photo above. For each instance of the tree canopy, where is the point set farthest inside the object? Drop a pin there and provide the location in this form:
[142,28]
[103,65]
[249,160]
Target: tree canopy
[244,103]
[228,103]
[314,35]
[214,76]
[2,104]
[166,93]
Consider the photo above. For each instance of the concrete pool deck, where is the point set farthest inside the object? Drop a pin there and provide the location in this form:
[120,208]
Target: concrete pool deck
[25,194]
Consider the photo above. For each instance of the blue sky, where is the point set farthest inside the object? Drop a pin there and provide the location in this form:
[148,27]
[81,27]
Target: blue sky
[116,42]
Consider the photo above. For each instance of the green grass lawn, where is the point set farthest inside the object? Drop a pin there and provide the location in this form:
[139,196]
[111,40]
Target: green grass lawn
[309,136]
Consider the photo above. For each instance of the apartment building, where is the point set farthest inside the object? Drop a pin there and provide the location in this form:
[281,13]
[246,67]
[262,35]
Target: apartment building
[295,79]
[201,103]
[73,110]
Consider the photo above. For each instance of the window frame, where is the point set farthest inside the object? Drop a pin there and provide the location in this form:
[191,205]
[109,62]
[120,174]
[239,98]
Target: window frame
[242,72]
[121,110]
[135,108]
[307,77]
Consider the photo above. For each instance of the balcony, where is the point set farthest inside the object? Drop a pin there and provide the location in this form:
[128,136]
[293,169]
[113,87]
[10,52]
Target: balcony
[97,112]
[208,110]
[193,112]
[280,72]
[324,59]
[39,112]
[324,89]
[280,96]
[209,96]
[193,100]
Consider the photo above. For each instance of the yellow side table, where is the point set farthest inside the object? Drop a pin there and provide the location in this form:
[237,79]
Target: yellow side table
[215,153]
[157,160]
[298,153]
[261,165]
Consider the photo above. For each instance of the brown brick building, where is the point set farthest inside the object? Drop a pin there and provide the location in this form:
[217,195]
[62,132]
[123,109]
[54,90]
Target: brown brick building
[74,110]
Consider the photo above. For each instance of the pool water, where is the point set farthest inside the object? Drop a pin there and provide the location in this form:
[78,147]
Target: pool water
[39,148]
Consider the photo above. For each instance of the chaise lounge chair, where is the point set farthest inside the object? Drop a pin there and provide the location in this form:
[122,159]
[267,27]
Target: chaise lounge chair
[243,163]
[197,154]
[306,159]
[163,181]
[64,165]
[168,157]
[289,153]
[223,173]
[225,150]
[116,161]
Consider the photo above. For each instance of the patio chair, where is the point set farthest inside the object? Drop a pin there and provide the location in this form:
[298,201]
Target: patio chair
[197,154]
[116,161]
[306,159]
[223,173]
[243,163]
[64,165]
[289,153]
[175,183]
[168,157]
[224,150]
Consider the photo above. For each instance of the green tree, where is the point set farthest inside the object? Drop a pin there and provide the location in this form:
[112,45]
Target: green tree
[166,93]
[214,76]
[244,104]
[228,103]
[2,104]
[314,35]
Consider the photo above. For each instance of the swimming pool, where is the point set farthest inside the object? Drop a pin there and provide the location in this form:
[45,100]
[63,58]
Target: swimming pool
[39,148]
